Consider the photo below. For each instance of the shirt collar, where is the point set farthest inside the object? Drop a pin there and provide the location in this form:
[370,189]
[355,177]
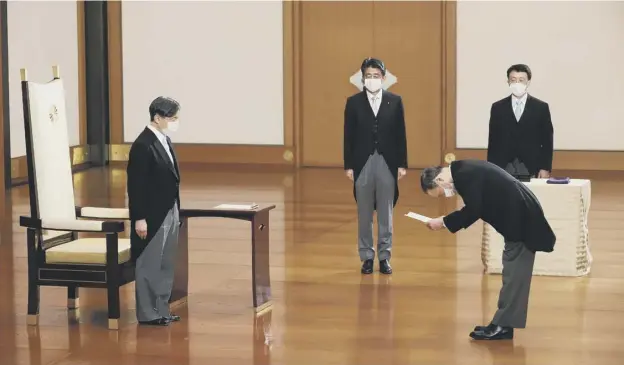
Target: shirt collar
[522,100]
[161,137]
[371,95]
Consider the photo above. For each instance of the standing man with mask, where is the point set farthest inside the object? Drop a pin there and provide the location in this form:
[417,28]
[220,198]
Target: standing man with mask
[154,203]
[491,194]
[521,131]
[375,158]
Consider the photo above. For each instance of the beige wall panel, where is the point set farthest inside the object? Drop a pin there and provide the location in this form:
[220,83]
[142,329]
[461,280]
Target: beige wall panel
[41,35]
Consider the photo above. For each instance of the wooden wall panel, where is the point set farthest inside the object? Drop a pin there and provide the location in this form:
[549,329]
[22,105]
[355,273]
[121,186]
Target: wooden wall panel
[82,73]
[115,72]
[417,40]
[5,133]
[324,43]
[335,38]
[408,38]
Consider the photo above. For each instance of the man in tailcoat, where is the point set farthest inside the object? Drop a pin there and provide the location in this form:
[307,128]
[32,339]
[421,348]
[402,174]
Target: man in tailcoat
[375,158]
[154,203]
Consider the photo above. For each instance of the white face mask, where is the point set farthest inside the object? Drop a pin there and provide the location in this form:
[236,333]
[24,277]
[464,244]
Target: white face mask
[449,192]
[173,126]
[518,88]
[372,85]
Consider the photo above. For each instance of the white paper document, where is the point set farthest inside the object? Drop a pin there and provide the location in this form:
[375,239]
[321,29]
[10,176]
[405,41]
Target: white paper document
[237,206]
[418,217]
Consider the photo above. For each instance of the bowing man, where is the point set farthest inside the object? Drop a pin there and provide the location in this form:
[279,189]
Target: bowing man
[375,158]
[154,203]
[493,195]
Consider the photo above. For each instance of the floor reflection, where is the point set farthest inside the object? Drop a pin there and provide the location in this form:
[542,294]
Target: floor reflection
[325,312]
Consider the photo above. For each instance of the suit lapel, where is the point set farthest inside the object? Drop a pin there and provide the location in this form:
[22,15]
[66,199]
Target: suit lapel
[384,104]
[527,108]
[510,110]
[175,157]
[367,105]
[163,154]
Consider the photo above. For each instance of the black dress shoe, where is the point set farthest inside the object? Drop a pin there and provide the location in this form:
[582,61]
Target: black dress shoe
[483,328]
[384,267]
[367,267]
[493,333]
[156,322]
[173,318]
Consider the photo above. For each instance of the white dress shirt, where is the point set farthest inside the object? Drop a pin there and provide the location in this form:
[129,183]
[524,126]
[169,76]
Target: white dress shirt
[518,103]
[374,100]
[162,139]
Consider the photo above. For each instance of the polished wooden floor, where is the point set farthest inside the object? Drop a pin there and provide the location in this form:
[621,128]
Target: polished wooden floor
[325,311]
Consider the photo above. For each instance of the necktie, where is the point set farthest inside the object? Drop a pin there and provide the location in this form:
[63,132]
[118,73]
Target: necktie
[375,105]
[168,148]
[518,110]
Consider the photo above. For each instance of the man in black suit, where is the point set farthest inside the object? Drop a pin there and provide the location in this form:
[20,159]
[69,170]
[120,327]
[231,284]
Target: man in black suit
[154,202]
[375,158]
[493,195]
[521,131]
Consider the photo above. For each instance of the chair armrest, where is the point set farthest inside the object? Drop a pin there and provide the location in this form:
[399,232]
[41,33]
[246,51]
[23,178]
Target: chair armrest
[103,213]
[73,225]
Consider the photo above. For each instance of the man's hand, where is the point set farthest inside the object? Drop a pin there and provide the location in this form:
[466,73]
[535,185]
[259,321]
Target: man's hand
[436,224]
[402,172]
[141,228]
[349,174]
[543,174]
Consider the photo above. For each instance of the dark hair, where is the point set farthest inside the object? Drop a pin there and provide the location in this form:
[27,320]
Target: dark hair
[427,178]
[374,63]
[520,68]
[164,107]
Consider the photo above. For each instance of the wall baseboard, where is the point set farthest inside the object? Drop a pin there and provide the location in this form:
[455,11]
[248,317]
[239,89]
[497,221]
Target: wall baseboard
[565,160]
[220,154]
[278,158]
[562,160]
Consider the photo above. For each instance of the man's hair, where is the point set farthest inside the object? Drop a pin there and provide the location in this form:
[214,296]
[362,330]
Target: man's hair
[374,63]
[427,178]
[520,68]
[164,107]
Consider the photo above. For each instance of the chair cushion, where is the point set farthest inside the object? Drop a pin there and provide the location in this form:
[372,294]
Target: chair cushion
[88,251]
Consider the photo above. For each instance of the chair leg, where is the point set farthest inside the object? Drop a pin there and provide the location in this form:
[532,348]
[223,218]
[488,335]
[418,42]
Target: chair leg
[73,301]
[33,284]
[33,303]
[113,307]
[112,281]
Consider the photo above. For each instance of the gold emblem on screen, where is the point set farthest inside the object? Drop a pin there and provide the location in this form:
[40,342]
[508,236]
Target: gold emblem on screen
[53,114]
[288,155]
[449,157]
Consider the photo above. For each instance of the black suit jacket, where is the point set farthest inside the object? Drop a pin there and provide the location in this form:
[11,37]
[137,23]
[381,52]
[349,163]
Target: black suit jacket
[153,186]
[496,197]
[359,141]
[530,139]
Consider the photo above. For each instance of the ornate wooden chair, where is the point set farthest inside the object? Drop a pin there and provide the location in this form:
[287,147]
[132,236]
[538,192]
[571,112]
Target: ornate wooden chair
[56,255]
